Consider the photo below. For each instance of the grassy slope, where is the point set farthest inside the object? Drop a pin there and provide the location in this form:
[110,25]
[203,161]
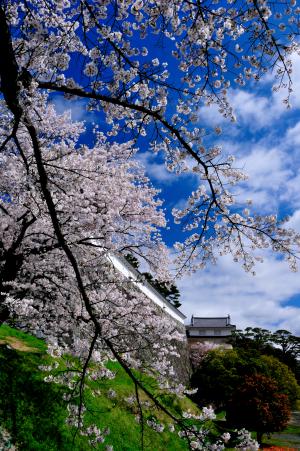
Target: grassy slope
[289,438]
[33,411]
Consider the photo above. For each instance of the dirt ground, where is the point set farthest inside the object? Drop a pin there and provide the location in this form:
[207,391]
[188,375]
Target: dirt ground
[17,344]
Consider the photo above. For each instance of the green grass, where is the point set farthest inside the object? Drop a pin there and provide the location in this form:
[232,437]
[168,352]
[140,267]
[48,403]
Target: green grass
[34,412]
[289,438]
[120,417]
[6,333]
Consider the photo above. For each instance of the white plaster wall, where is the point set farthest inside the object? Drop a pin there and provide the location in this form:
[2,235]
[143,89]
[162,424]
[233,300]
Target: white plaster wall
[146,289]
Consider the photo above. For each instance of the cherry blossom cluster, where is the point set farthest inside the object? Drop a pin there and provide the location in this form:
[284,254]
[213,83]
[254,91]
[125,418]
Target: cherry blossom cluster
[246,442]
[198,439]
[104,205]
[140,91]
[5,440]
[155,426]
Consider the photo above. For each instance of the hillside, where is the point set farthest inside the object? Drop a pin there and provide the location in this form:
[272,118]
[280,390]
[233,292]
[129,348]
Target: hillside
[34,412]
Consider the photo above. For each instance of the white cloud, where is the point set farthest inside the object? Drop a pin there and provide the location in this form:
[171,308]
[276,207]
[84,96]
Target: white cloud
[266,139]
[291,145]
[77,108]
[257,111]
[265,167]
[260,300]
[293,135]
[294,221]
[291,192]
[154,169]
[263,110]
[295,96]
[210,115]
[268,174]
[271,162]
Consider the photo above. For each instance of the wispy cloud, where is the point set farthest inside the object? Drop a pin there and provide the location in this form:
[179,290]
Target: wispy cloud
[157,171]
[266,140]
[293,135]
[77,107]
[294,221]
[261,300]
[256,110]
[268,173]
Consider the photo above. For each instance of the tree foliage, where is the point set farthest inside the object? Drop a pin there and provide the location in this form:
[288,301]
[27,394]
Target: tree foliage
[258,405]
[281,344]
[221,373]
[168,290]
[261,338]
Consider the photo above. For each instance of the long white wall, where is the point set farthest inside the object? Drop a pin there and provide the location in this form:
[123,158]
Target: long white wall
[121,265]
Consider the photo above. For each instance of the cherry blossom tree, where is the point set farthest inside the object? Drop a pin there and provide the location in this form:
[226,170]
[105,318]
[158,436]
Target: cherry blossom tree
[102,204]
[66,206]
[98,51]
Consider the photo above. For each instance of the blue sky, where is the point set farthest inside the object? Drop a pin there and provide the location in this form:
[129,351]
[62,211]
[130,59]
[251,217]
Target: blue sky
[266,141]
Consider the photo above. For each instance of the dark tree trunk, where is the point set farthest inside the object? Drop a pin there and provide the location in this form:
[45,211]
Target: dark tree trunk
[4,314]
[259,436]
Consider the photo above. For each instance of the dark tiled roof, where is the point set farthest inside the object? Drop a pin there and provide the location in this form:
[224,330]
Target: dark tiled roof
[210,322]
